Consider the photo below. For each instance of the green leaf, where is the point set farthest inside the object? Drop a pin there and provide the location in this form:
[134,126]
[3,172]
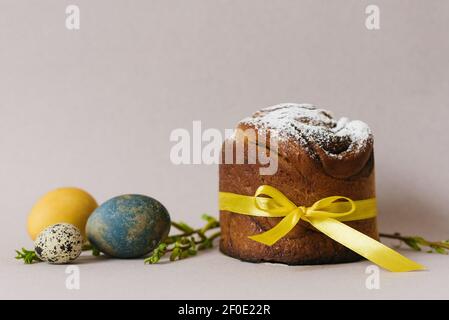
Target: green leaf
[28,256]
[153,259]
[171,240]
[157,254]
[95,252]
[206,244]
[208,218]
[182,226]
[420,240]
[184,254]
[19,255]
[411,242]
[439,250]
[175,254]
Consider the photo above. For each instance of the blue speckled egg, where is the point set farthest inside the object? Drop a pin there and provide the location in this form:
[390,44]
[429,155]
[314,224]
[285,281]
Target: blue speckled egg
[128,226]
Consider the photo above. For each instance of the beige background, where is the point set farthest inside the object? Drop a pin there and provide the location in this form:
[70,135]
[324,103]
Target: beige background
[94,108]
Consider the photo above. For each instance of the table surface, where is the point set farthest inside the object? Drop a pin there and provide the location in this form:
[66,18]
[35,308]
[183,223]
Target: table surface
[212,275]
[95,109]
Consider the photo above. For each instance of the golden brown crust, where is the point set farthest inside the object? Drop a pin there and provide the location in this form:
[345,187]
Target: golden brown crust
[304,178]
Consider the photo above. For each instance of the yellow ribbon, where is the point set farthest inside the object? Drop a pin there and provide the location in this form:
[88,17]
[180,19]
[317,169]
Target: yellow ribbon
[325,215]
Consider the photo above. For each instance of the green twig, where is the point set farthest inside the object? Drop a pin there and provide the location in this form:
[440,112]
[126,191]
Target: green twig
[417,243]
[89,247]
[28,256]
[187,243]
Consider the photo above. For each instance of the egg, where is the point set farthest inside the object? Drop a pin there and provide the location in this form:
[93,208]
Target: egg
[128,226]
[59,243]
[70,205]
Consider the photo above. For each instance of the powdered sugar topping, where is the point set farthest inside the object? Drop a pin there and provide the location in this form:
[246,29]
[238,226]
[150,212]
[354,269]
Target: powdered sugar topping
[310,125]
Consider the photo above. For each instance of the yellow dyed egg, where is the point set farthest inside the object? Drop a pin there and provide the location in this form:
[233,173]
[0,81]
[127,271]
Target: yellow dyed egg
[69,205]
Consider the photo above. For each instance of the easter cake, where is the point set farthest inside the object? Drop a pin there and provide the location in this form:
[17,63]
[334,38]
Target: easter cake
[318,156]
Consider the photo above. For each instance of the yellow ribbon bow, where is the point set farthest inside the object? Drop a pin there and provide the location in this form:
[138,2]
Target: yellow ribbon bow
[325,215]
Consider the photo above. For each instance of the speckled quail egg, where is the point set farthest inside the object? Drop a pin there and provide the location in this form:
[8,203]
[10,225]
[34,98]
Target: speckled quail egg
[59,243]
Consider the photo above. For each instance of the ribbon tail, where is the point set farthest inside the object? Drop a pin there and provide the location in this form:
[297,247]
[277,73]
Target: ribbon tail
[271,236]
[365,246]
